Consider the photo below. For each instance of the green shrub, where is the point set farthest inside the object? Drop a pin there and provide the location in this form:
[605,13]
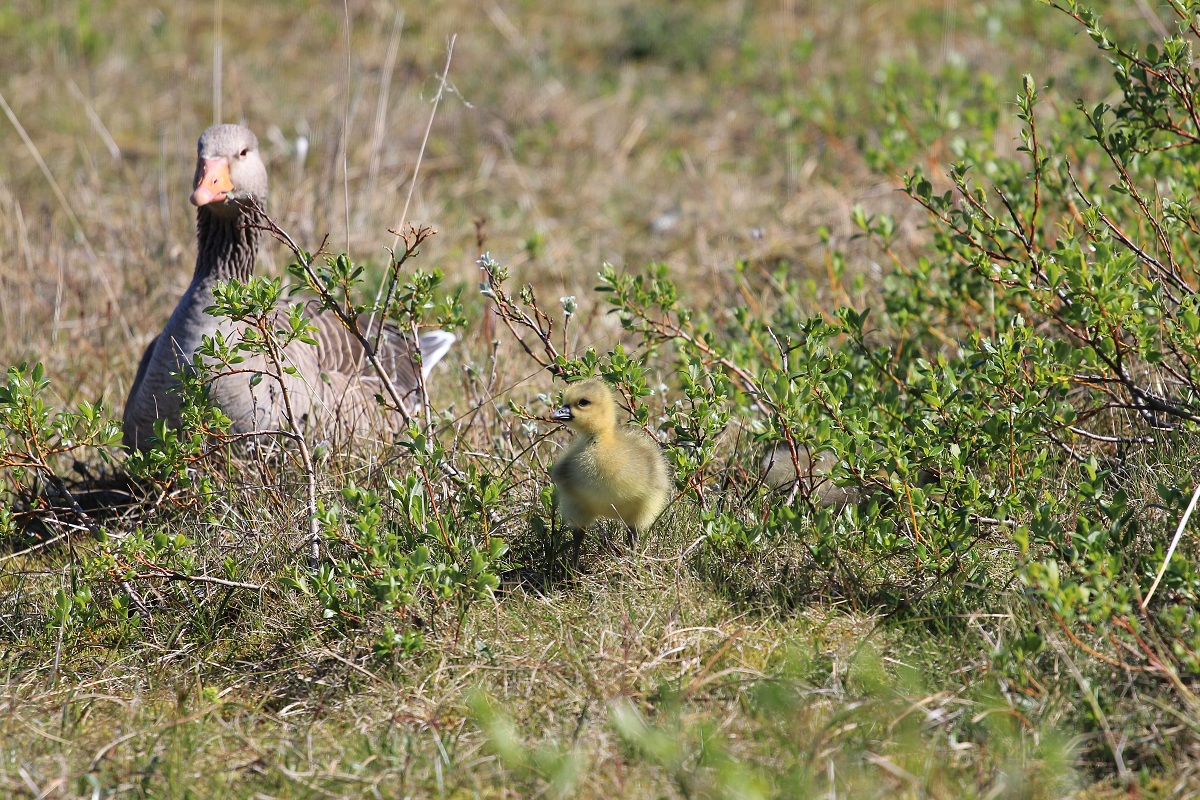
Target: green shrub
[1050,337]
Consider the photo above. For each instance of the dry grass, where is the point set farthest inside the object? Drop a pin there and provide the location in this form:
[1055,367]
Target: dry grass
[279,712]
[572,152]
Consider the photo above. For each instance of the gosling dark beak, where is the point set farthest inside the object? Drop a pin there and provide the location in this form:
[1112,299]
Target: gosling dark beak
[561,415]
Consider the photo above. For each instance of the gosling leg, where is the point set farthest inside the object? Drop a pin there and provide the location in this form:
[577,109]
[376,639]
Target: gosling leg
[575,544]
[631,537]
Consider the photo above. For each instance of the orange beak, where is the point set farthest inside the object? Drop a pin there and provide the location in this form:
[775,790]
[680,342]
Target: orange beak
[212,181]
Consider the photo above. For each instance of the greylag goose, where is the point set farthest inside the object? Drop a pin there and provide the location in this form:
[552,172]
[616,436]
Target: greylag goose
[609,471]
[333,391]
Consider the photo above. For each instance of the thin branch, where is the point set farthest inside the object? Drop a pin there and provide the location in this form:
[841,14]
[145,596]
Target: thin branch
[171,575]
[350,323]
[1174,543]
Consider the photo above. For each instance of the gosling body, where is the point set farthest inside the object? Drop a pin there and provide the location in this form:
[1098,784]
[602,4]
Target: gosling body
[609,471]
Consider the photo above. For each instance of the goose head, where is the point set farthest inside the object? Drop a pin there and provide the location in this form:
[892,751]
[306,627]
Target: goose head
[588,408]
[230,173]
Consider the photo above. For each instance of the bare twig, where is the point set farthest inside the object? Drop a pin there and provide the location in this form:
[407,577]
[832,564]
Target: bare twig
[217,64]
[412,186]
[172,575]
[1174,543]
[40,545]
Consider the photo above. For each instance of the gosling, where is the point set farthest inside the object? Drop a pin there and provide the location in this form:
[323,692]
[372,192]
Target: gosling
[609,471]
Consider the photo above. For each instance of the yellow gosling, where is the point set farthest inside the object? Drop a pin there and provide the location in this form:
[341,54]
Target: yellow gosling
[610,471]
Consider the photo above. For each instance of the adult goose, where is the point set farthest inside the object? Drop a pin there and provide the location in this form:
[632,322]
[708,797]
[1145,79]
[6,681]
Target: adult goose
[334,389]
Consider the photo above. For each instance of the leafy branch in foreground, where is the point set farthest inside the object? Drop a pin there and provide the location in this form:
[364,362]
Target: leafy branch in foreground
[337,283]
[881,737]
[204,464]
[36,441]
[404,569]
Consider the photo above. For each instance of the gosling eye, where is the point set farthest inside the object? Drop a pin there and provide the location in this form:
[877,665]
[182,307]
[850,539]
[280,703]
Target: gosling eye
[583,402]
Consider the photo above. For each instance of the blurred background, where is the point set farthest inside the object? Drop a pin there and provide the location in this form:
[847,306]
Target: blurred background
[568,134]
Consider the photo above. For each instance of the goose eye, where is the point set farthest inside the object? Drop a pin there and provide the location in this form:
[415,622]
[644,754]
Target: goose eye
[584,402]
[243,153]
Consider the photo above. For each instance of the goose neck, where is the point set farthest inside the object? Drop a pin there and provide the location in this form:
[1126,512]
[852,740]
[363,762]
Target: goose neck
[226,245]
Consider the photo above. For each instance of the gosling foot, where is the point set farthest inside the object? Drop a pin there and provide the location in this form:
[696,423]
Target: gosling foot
[631,538]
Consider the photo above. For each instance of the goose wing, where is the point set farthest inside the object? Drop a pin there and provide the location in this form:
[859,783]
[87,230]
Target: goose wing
[341,357]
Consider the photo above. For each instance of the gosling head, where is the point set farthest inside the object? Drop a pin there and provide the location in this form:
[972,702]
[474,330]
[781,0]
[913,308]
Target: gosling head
[588,408]
[229,170]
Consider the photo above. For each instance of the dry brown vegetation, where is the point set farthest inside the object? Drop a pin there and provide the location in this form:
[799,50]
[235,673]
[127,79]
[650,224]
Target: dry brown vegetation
[572,149]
